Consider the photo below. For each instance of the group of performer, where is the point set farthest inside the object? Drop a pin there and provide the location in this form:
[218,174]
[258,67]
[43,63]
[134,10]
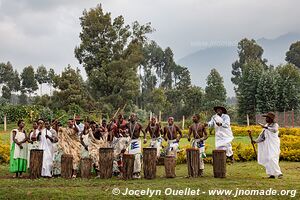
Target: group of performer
[83,140]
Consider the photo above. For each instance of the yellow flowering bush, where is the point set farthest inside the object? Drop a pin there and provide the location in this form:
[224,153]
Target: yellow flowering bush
[4,153]
[256,130]
[290,150]
[243,152]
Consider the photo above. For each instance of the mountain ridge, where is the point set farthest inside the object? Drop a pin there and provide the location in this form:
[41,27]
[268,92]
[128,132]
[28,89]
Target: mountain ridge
[202,61]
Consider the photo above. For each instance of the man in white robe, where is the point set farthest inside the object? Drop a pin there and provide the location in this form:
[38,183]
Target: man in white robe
[268,144]
[223,134]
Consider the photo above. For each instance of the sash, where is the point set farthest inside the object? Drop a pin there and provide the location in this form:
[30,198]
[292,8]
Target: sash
[135,146]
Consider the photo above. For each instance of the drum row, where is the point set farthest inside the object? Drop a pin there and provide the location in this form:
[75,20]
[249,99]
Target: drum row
[106,157]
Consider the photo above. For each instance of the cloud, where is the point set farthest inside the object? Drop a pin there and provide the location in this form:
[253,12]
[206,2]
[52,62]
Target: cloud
[46,32]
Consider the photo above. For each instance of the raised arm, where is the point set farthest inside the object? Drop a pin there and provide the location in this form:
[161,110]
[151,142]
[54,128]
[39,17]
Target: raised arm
[211,123]
[226,121]
[273,128]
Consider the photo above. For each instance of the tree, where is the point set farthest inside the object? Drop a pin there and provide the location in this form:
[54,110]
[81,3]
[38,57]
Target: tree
[247,90]
[6,71]
[72,91]
[153,58]
[29,83]
[51,78]
[182,77]
[111,54]
[6,92]
[156,100]
[215,92]
[168,69]
[175,103]
[23,99]
[41,76]
[10,79]
[267,91]
[248,50]
[293,54]
[288,84]
[14,82]
[194,100]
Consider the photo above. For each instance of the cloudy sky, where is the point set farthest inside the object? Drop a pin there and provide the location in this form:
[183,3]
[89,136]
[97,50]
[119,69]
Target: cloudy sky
[35,32]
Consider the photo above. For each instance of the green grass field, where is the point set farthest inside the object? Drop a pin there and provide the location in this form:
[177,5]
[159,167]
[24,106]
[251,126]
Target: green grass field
[247,176]
[242,175]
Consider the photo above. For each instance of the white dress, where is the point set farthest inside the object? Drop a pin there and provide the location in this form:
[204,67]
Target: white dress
[269,150]
[47,146]
[223,135]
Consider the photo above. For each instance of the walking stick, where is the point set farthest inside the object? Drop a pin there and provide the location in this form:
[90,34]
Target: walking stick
[252,142]
[250,135]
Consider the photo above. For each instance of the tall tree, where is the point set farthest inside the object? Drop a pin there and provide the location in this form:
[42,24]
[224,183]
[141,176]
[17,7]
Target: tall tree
[293,54]
[247,90]
[41,76]
[51,78]
[156,101]
[194,100]
[153,58]
[215,92]
[15,82]
[267,91]
[6,92]
[111,54]
[6,71]
[168,69]
[72,90]
[10,79]
[248,50]
[182,77]
[288,84]
[29,83]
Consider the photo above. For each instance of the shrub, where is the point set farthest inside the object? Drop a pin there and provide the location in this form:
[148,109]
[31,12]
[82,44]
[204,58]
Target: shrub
[4,153]
[290,151]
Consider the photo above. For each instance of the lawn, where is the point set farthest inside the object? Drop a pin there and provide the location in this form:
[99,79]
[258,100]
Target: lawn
[241,175]
[247,176]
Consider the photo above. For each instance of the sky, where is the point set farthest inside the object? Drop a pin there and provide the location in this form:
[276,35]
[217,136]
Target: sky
[36,32]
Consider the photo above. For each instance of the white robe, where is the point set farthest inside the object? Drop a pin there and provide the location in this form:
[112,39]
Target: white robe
[269,150]
[47,146]
[135,148]
[156,143]
[19,153]
[223,135]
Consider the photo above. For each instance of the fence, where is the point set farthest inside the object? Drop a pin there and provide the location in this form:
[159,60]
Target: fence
[284,119]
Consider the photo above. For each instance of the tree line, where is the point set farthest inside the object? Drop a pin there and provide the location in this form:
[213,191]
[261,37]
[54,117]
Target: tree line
[261,87]
[126,69]
[123,67]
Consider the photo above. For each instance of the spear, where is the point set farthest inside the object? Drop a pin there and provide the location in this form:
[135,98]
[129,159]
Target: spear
[115,114]
[250,135]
